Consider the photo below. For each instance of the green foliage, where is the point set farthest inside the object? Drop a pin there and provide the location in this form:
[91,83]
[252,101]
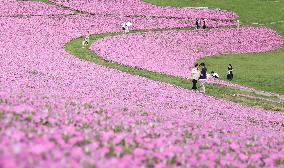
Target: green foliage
[29,118]
[279,161]
[85,141]
[45,1]
[172,160]
[1,115]
[118,128]
[17,116]
[66,137]
[187,134]
[111,153]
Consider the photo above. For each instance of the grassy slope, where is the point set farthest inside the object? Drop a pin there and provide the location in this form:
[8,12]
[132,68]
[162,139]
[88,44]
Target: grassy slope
[264,71]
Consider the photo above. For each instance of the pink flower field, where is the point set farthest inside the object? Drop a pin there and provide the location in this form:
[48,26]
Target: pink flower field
[13,8]
[140,8]
[175,52]
[57,110]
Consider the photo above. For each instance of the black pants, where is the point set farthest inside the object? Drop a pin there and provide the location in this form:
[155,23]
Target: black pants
[194,82]
[230,76]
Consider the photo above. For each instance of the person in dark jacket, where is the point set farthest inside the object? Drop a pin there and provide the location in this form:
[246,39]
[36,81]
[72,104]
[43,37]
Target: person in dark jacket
[230,72]
[203,77]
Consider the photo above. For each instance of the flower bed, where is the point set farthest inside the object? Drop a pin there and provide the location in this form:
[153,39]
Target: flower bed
[25,8]
[59,111]
[140,8]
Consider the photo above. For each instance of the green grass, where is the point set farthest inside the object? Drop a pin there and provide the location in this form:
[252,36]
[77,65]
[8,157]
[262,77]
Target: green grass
[264,71]
[260,11]
[74,47]
[45,1]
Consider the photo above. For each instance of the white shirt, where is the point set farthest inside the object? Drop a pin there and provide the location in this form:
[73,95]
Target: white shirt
[195,73]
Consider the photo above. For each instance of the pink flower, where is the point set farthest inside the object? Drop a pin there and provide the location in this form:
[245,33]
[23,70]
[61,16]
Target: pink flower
[139,152]
[38,149]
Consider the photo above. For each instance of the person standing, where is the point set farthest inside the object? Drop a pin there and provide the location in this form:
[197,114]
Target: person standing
[230,72]
[204,24]
[198,24]
[123,25]
[238,24]
[86,40]
[203,77]
[195,74]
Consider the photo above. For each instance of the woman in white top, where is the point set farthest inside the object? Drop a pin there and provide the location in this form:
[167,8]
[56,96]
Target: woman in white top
[195,74]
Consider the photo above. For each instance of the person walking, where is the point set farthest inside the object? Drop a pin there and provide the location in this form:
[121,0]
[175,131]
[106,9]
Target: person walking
[230,72]
[203,77]
[195,74]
